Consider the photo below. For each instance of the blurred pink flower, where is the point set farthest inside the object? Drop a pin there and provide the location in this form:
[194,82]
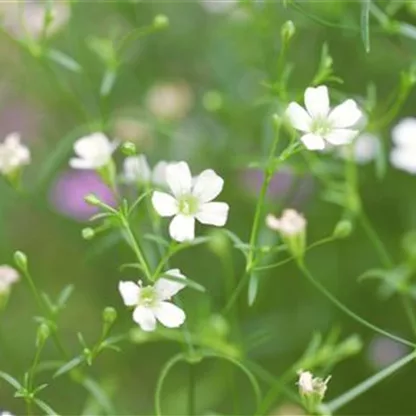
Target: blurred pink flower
[68,192]
[383,351]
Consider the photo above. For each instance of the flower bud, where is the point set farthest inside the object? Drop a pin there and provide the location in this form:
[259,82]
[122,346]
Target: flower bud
[129,148]
[20,259]
[109,315]
[218,242]
[343,229]
[288,30]
[160,21]
[88,233]
[42,334]
[91,199]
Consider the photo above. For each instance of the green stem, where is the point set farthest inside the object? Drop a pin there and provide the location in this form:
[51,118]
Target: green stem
[346,310]
[369,383]
[191,391]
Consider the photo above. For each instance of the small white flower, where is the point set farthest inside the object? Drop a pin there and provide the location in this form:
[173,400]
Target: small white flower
[151,304]
[310,385]
[13,155]
[218,6]
[94,151]
[191,200]
[365,148]
[320,124]
[291,223]
[170,101]
[8,277]
[5,413]
[137,170]
[403,155]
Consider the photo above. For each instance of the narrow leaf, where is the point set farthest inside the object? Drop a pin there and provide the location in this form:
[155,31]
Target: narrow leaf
[365,23]
[64,60]
[46,408]
[75,362]
[9,379]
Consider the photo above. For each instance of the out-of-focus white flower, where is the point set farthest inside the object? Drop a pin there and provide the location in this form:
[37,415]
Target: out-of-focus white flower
[150,302]
[191,200]
[137,170]
[23,18]
[218,6]
[310,385]
[6,413]
[320,124]
[403,155]
[170,101]
[8,277]
[94,151]
[13,154]
[365,148]
[129,128]
[289,224]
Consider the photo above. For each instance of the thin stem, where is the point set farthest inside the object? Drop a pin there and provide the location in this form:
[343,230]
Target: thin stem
[191,391]
[349,312]
[369,383]
[408,308]
[135,246]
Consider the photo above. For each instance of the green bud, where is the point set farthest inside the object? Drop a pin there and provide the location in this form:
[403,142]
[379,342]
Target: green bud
[212,101]
[91,199]
[160,21]
[88,233]
[129,149]
[218,242]
[109,315]
[20,259]
[343,229]
[42,334]
[288,31]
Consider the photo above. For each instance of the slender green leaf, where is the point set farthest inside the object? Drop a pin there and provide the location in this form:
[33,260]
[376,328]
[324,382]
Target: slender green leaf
[11,380]
[253,285]
[64,295]
[64,60]
[45,407]
[365,23]
[99,395]
[75,362]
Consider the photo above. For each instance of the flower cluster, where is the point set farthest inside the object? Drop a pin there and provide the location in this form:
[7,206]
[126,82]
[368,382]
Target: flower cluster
[312,386]
[13,155]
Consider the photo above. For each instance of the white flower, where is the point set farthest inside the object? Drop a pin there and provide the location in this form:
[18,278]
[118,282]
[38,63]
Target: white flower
[218,6]
[291,223]
[403,155]
[137,170]
[150,301]
[322,125]
[365,148]
[94,151]
[191,200]
[170,101]
[5,413]
[310,385]
[8,276]
[13,154]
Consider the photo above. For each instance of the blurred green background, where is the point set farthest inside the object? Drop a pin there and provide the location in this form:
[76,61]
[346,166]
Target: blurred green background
[223,60]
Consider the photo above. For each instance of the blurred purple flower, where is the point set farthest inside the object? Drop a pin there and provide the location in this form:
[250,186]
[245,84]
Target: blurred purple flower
[68,192]
[384,351]
[284,184]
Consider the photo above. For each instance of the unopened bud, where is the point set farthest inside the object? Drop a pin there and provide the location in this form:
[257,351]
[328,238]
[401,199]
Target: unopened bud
[218,242]
[109,315]
[20,259]
[288,30]
[42,334]
[343,229]
[160,21]
[129,148]
[88,233]
[91,199]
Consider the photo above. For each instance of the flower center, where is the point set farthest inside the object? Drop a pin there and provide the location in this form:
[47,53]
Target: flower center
[321,126]
[147,296]
[188,205]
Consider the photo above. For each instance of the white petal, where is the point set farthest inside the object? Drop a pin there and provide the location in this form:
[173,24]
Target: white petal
[129,291]
[207,186]
[405,132]
[77,163]
[169,314]
[213,213]
[404,159]
[167,288]
[136,169]
[145,317]
[317,101]
[313,141]
[164,204]
[341,136]
[179,178]
[298,117]
[347,114]
[159,173]
[91,144]
[182,228]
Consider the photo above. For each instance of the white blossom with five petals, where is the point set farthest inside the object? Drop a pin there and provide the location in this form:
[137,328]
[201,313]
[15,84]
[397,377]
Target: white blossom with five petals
[403,155]
[93,152]
[320,124]
[137,170]
[13,154]
[191,199]
[150,302]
